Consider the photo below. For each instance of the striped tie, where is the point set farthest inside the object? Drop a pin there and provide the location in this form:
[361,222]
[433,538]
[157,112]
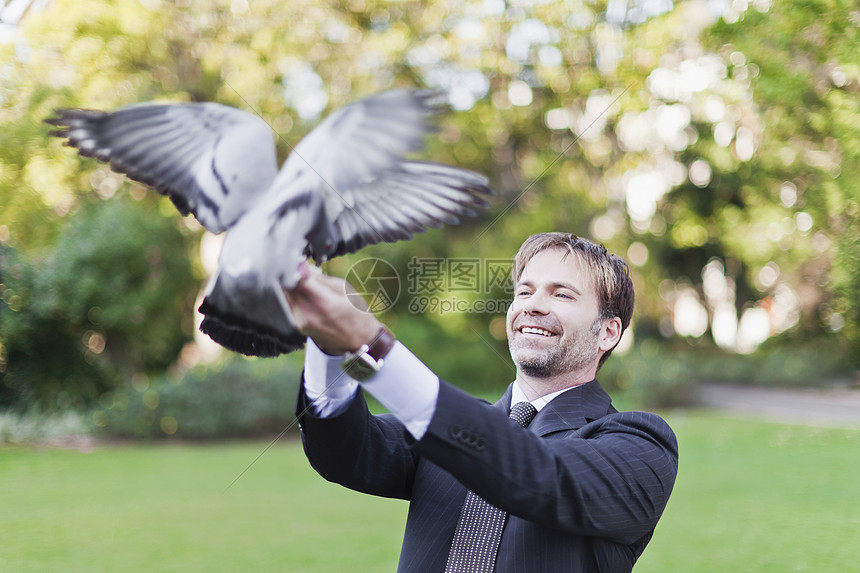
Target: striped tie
[479,529]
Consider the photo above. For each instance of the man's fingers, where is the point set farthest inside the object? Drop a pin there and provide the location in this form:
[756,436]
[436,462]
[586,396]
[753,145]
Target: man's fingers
[306,285]
[354,298]
[334,291]
[319,291]
[330,311]
[314,282]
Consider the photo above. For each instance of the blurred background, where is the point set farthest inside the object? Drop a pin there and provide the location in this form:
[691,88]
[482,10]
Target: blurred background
[714,144]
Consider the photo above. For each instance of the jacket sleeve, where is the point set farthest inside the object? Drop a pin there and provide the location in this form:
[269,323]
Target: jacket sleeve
[360,451]
[611,477]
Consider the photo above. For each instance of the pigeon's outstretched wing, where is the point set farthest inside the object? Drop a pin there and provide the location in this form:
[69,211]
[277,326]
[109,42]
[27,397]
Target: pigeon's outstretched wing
[407,200]
[212,160]
[355,160]
[358,141]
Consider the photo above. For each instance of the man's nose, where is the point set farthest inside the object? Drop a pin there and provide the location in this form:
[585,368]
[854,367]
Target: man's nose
[537,303]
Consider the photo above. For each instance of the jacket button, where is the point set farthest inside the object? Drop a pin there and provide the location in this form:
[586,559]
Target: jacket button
[467,438]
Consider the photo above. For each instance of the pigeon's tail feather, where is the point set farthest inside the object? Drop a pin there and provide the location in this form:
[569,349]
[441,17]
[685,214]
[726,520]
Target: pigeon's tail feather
[252,321]
[249,340]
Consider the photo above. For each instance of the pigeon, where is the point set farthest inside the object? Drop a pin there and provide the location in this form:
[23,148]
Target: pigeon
[345,185]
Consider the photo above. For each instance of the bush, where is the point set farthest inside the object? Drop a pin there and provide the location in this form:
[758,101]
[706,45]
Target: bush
[652,376]
[112,296]
[30,428]
[243,398]
[660,374]
[780,361]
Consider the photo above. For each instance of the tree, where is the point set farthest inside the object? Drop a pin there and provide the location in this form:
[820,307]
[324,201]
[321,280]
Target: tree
[800,62]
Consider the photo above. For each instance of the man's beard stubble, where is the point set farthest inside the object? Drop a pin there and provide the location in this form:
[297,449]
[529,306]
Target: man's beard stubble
[580,351]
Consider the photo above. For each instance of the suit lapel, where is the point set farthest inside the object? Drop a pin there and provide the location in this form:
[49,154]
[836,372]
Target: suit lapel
[567,411]
[504,403]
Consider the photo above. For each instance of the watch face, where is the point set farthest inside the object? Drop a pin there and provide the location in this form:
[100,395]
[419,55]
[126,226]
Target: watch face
[361,368]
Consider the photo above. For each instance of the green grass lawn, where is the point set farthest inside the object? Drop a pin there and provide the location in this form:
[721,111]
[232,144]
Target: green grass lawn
[750,497]
[756,497]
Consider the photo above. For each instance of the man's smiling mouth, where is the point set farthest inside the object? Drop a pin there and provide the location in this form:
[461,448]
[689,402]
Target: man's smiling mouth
[535,330]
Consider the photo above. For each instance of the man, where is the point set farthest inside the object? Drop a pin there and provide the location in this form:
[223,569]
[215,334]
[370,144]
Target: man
[579,489]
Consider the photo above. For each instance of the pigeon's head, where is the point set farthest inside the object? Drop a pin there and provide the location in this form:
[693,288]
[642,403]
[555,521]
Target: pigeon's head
[320,238]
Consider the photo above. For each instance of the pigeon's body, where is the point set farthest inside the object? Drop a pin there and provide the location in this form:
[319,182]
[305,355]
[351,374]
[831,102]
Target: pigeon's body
[244,305]
[346,185]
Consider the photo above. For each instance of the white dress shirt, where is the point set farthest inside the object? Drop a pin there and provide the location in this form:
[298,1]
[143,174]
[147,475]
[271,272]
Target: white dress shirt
[517,396]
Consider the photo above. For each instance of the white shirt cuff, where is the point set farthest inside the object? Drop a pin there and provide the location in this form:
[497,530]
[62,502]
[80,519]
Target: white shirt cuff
[407,388]
[327,387]
[404,385]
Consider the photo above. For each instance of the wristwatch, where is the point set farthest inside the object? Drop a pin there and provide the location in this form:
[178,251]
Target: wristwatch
[365,362]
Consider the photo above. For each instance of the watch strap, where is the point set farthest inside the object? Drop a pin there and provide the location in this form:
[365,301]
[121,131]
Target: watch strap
[381,344]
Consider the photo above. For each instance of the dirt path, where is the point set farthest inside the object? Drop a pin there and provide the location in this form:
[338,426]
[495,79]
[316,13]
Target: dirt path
[837,407]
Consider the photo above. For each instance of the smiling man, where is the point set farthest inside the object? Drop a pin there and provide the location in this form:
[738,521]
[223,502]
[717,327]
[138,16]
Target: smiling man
[549,478]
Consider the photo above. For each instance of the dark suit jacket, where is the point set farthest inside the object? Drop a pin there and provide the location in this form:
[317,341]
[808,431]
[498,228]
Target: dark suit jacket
[584,485]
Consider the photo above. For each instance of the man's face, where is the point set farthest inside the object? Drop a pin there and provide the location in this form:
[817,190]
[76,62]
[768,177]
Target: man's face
[552,321]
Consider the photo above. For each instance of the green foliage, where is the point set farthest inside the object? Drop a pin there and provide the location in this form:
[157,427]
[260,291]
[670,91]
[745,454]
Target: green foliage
[569,109]
[800,63]
[847,302]
[112,297]
[244,398]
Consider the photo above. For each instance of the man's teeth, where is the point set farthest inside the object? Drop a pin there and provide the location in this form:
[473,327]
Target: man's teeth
[531,330]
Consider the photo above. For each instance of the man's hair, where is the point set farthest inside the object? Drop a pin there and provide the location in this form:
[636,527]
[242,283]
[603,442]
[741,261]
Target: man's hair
[609,274]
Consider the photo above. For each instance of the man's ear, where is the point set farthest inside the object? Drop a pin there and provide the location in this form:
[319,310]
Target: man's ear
[610,334]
